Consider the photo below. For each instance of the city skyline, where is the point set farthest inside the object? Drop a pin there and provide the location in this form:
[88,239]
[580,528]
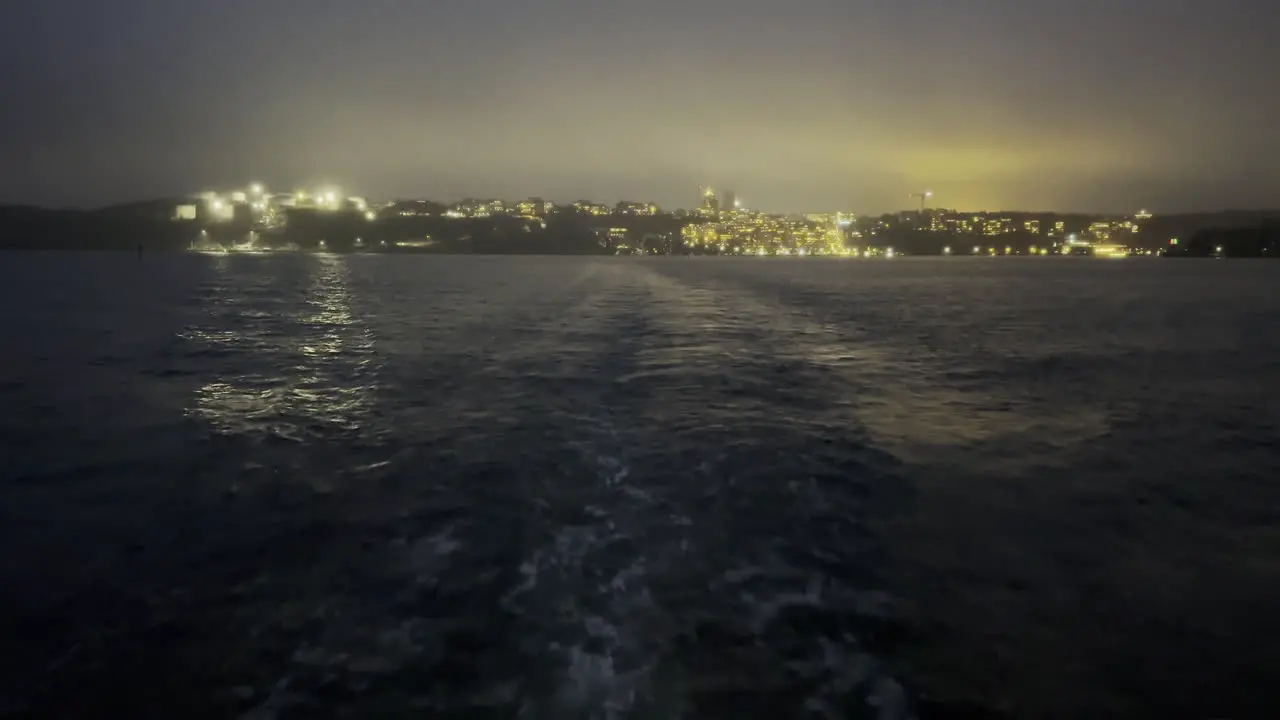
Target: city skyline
[820,105]
[709,199]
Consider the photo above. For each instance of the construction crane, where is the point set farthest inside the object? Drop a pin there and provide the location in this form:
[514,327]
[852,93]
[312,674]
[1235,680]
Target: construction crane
[923,196]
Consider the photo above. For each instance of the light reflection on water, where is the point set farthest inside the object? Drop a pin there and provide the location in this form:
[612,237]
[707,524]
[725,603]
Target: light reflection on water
[891,391]
[325,352]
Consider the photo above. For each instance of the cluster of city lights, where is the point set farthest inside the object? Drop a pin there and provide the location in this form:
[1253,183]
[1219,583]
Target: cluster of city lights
[719,225]
[735,230]
[265,208]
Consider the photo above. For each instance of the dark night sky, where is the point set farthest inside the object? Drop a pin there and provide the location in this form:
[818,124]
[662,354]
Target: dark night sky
[1102,105]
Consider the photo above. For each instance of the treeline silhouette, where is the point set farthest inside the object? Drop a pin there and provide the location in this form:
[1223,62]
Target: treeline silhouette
[1260,241]
[121,228]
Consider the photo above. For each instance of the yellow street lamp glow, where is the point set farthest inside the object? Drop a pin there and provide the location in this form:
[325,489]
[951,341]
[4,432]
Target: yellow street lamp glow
[256,188]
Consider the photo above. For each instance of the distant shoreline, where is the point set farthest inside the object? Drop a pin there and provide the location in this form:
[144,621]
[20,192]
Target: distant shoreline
[169,252]
[152,227]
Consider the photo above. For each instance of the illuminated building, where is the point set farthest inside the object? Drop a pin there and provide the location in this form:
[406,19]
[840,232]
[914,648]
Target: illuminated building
[611,237]
[730,202]
[710,206]
[590,208]
[532,208]
[637,208]
[997,226]
[323,199]
[1032,226]
[472,208]
[214,209]
[412,208]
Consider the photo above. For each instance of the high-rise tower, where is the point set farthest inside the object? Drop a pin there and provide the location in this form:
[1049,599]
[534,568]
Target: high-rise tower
[710,203]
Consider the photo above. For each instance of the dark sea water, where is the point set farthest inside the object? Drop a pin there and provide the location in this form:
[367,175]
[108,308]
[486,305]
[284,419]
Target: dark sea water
[322,486]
